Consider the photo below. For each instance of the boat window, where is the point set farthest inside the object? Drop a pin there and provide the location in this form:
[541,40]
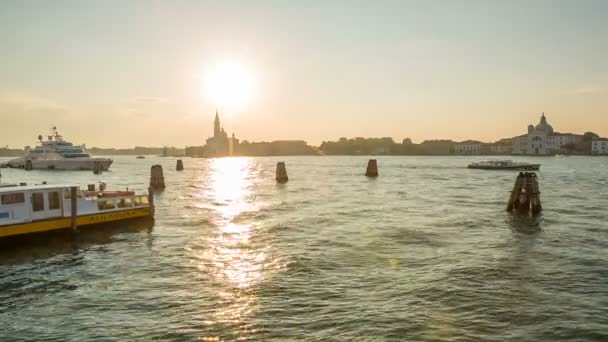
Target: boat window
[54,200]
[125,203]
[141,200]
[105,204]
[13,198]
[67,194]
[37,201]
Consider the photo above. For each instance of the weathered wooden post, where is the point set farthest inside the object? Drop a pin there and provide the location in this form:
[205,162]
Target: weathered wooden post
[535,195]
[74,206]
[281,174]
[157,180]
[525,196]
[91,187]
[97,168]
[372,168]
[514,198]
[180,165]
[28,165]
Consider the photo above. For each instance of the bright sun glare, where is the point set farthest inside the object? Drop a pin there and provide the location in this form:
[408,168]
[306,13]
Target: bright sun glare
[229,85]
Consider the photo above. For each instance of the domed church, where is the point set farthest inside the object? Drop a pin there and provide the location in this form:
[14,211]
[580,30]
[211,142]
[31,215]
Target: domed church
[542,140]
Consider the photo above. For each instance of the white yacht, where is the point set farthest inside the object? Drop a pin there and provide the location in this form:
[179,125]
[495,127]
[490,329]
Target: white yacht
[58,154]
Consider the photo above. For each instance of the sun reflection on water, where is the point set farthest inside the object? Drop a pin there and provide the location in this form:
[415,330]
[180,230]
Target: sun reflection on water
[230,255]
[230,181]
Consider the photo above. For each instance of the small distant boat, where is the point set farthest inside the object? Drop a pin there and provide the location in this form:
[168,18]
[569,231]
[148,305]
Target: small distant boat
[504,165]
[140,157]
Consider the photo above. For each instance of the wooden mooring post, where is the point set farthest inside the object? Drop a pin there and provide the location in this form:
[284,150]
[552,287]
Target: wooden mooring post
[157,180]
[525,196]
[281,174]
[28,165]
[74,207]
[97,168]
[372,168]
[180,165]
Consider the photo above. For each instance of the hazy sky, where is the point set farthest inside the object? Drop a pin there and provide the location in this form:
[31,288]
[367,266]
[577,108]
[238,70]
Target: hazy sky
[124,73]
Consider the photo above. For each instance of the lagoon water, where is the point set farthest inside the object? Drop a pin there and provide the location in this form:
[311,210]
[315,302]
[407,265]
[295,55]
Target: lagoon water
[425,252]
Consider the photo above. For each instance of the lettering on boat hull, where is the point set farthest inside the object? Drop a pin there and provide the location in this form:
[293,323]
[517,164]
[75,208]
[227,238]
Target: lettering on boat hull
[63,223]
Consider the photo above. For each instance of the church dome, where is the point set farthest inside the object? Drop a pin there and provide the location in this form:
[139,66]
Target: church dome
[544,126]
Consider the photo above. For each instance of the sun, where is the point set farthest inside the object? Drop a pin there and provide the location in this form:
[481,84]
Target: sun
[229,85]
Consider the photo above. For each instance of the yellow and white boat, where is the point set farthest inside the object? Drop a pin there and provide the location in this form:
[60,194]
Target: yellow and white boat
[44,208]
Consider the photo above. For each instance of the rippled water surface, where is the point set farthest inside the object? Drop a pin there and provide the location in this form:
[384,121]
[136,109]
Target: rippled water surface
[425,252]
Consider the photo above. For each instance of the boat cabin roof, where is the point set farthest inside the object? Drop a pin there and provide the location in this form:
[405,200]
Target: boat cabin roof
[17,188]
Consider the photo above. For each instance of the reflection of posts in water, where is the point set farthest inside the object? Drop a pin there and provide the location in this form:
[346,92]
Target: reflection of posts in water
[281,174]
[151,200]
[372,168]
[525,196]
[74,206]
[157,180]
[180,165]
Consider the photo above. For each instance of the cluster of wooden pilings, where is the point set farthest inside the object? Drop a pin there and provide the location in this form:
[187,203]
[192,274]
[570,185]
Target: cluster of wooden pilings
[525,196]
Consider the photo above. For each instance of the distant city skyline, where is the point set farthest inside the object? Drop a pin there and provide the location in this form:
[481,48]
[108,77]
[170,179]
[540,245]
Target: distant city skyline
[139,73]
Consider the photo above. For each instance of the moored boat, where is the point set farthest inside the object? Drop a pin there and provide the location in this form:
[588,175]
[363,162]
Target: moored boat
[58,154]
[504,165]
[44,208]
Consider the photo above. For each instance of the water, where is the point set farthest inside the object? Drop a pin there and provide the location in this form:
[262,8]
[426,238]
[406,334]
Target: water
[425,252]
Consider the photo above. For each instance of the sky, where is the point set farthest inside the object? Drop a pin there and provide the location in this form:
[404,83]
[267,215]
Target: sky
[135,73]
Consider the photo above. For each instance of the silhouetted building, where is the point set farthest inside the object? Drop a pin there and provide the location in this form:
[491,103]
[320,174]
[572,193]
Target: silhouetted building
[468,147]
[194,151]
[436,147]
[276,148]
[503,146]
[599,146]
[220,145]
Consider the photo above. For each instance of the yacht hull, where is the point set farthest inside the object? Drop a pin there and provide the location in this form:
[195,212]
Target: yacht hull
[71,164]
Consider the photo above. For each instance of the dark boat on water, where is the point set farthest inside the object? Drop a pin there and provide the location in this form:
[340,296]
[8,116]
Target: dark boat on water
[504,165]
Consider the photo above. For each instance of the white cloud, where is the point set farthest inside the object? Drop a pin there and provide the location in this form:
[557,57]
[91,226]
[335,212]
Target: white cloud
[589,90]
[25,103]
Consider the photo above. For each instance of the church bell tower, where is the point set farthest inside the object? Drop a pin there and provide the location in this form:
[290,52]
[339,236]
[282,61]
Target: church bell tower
[216,125]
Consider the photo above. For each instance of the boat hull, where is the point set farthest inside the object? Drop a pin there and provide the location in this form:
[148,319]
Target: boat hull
[531,167]
[72,164]
[60,223]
